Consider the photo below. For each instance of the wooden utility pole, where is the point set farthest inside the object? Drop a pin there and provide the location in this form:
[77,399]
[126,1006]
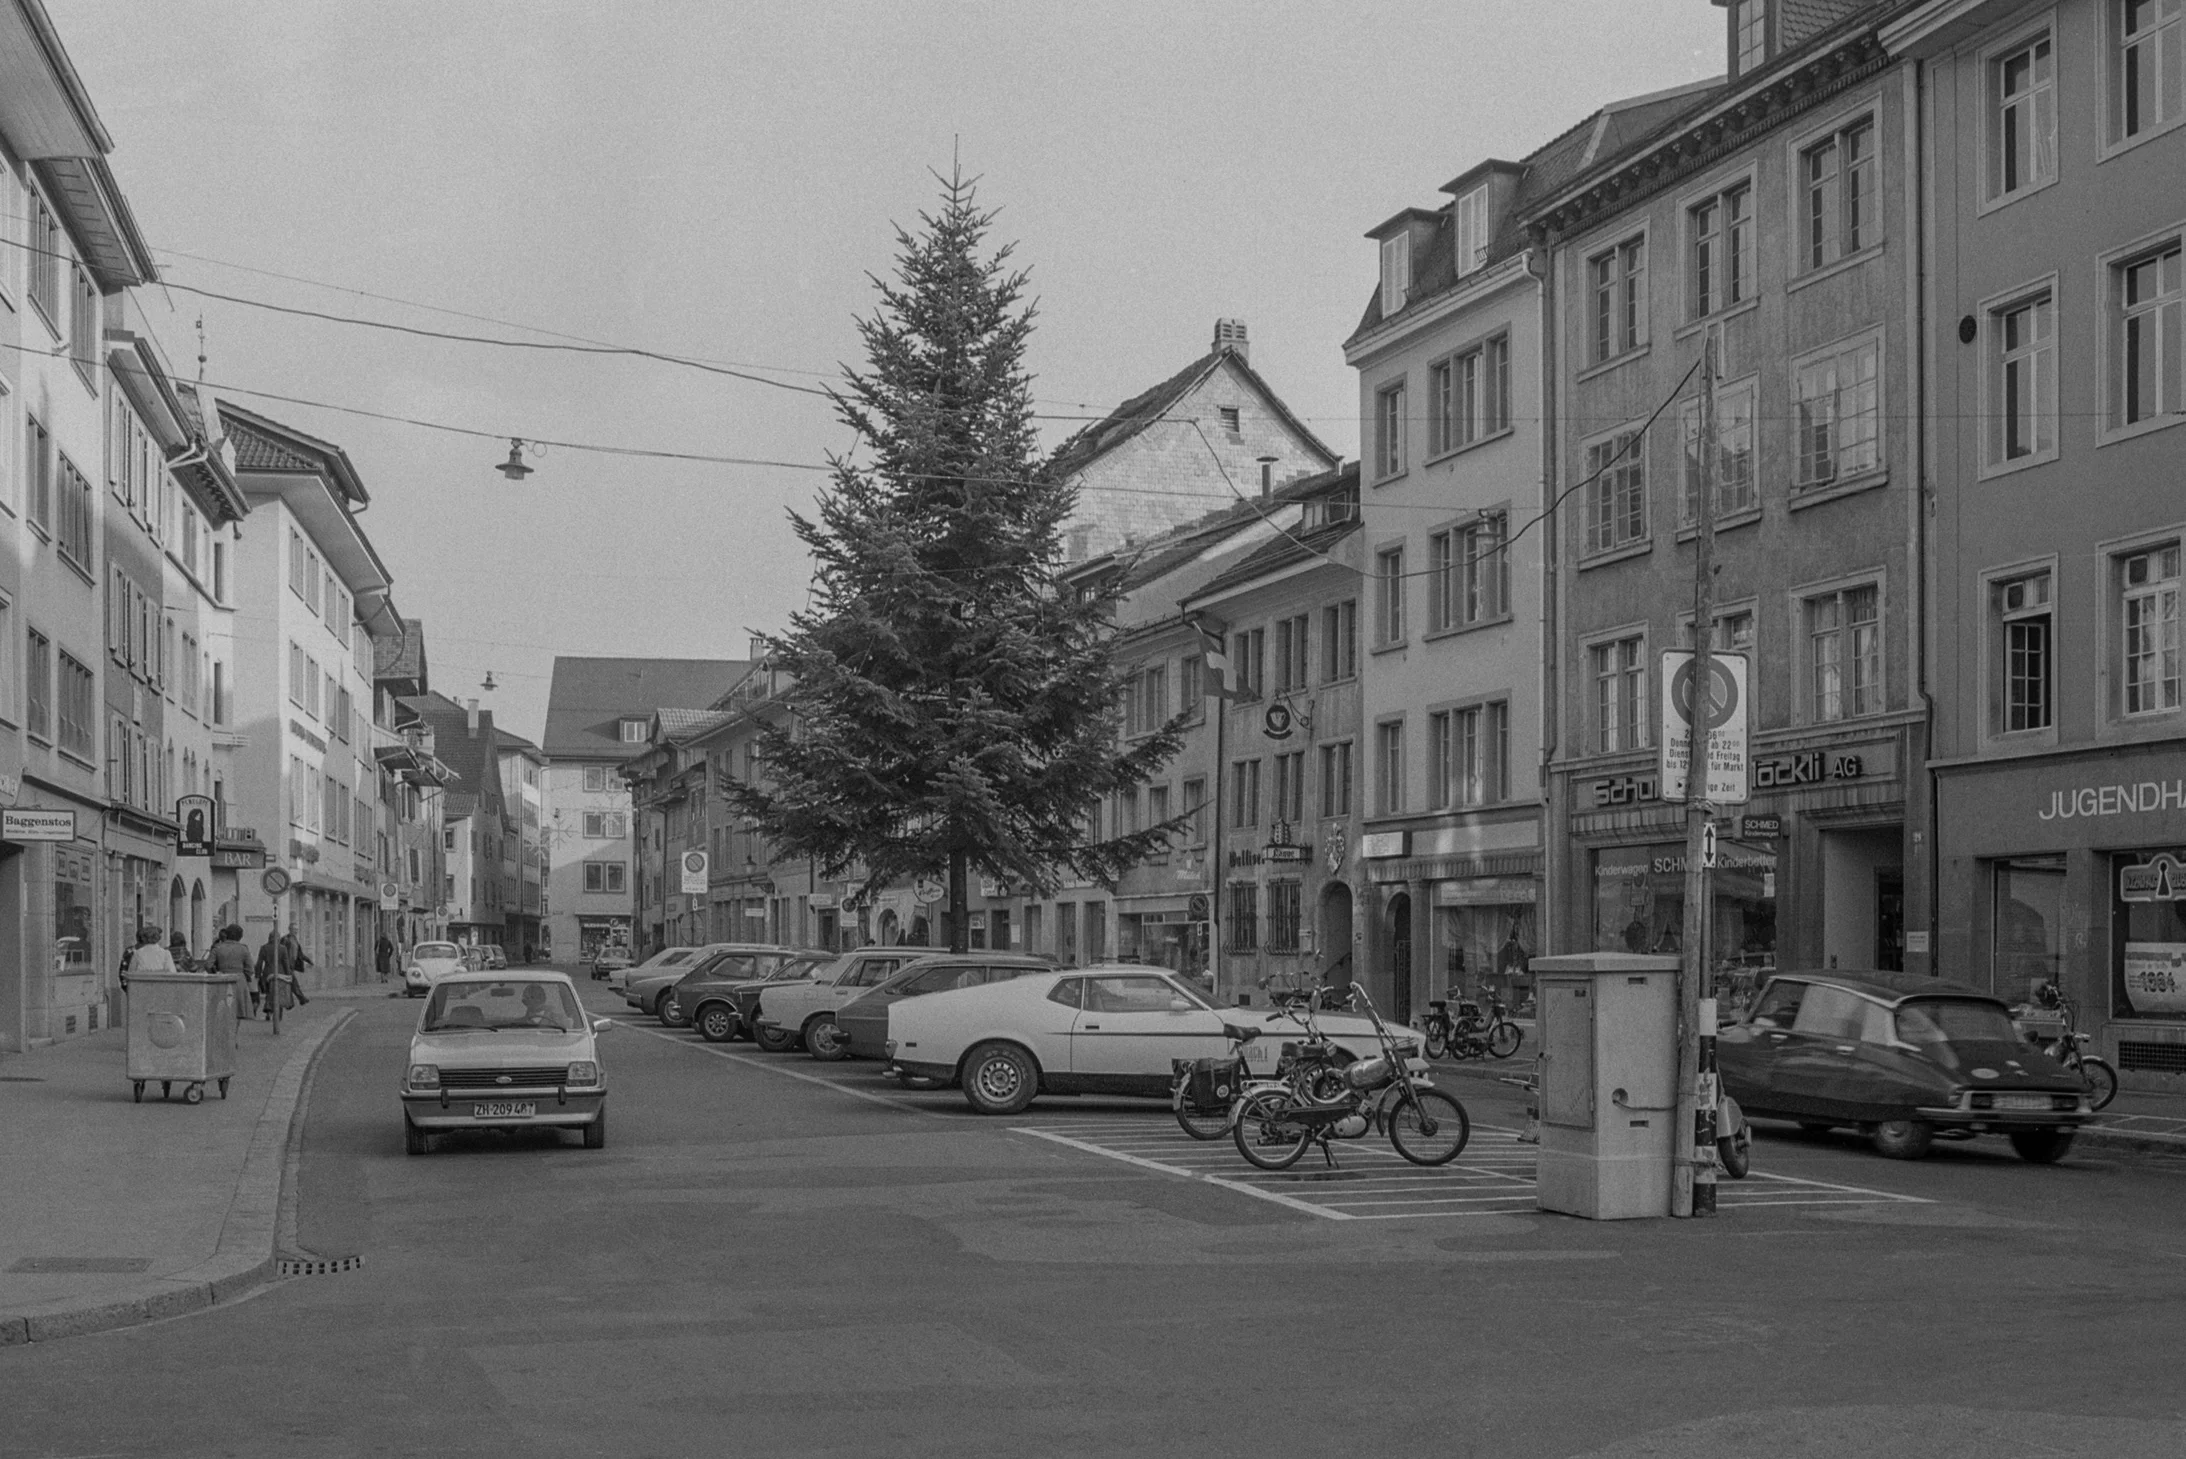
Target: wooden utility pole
[1692,1188]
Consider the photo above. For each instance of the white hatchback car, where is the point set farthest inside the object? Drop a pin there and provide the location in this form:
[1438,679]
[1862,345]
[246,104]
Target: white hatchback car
[1110,1029]
[427,964]
[504,1051]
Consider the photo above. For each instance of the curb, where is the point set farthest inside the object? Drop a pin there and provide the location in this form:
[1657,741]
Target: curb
[243,1260]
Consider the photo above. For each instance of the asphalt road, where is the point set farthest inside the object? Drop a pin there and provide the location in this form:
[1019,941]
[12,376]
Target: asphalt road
[776,1257]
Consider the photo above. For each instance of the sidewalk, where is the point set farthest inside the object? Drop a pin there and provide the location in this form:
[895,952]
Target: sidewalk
[112,1212]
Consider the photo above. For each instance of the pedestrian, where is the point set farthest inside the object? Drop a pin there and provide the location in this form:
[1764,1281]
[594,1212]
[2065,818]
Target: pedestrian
[229,958]
[178,948]
[293,961]
[268,967]
[147,957]
[384,954]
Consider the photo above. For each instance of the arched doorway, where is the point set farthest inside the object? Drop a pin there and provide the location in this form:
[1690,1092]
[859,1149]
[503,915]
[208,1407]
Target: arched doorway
[1400,957]
[178,909]
[1336,969]
[891,927]
[199,940]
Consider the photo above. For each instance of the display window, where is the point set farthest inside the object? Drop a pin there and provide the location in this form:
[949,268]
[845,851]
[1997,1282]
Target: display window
[1490,945]
[1639,906]
[2026,926]
[73,882]
[2148,942]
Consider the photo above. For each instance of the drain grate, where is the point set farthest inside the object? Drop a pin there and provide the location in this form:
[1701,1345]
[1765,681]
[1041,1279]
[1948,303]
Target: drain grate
[319,1266]
[82,1264]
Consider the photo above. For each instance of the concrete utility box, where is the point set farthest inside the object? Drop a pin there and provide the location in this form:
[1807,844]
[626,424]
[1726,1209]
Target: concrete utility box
[1607,1023]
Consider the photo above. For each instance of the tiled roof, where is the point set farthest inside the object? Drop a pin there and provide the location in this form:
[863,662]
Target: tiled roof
[469,756]
[1543,171]
[1295,545]
[590,697]
[1141,411]
[681,725]
[265,444]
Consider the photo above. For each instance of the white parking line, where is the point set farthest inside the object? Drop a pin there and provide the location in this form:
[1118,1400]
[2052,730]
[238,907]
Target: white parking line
[1495,1178]
[775,1068]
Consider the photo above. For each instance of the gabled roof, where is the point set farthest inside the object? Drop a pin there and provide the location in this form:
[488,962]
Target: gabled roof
[264,444]
[590,697]
[401,657]
[1140,411]
[470,757]
[1294,545]
[679,726]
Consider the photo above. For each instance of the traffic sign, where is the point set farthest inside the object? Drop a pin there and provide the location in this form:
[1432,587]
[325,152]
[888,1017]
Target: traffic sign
[694,873]
[1724,773]
[275,880]
[1707,845]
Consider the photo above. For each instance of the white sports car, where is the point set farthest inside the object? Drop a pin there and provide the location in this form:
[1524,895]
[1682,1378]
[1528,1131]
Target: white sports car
[1112,1029]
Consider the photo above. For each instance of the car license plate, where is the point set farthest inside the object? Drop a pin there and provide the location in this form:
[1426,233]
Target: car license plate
[504,1110]
[2022,1101]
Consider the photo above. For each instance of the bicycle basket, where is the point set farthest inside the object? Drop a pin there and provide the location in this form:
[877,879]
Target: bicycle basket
[1213,1083]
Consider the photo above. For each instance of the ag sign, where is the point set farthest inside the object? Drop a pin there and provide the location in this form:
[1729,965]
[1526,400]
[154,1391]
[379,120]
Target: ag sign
[1724,775]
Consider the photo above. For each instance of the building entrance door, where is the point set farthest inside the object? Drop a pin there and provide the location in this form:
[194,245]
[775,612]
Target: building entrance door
[1400,958]
[1890,921]
[1863,873]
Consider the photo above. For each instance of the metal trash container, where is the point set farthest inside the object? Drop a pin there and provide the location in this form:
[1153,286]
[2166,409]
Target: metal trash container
[181,1031]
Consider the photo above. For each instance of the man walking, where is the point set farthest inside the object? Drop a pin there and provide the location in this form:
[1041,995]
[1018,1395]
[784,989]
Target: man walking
[293,961]
[384,954]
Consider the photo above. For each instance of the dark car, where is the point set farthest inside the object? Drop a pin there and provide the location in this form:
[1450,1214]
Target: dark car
[1903,1059]
[731,962]
[863,968]
[862,1023]
[705,998]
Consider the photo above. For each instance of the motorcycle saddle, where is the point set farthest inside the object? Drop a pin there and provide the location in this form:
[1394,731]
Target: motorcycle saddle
[1239,1034]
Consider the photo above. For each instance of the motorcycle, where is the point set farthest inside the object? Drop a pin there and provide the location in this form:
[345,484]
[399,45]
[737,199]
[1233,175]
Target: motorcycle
[1388,1092]
[1205,1093]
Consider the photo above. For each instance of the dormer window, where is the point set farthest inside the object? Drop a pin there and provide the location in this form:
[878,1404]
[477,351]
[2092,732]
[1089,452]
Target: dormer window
[1472,230]
[1749,35]
[1396,272]
[633,731]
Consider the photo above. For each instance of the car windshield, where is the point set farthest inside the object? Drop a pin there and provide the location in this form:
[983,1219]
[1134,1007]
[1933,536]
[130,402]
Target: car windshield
[797,967]
[510,1004]
[434,949]
[737,965]
[1927,1021]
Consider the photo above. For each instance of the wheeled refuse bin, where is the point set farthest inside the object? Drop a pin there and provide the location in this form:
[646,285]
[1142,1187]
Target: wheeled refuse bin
[181,1031]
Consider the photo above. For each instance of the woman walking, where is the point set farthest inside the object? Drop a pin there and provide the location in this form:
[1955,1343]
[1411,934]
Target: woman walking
[231,959]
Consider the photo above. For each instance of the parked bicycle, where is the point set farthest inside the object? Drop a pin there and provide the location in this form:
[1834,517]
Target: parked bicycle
[1471,1033]
[1206,1092]
[2068,1046]
[1389,1092]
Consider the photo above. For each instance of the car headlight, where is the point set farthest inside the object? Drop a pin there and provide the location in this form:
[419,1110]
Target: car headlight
[424,1076]
[889,1049]
[584,1071]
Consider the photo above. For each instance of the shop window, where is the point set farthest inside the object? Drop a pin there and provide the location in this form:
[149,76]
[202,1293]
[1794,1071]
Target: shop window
[2148,970]
[2026,926]
[1486,944]
[1639,905]
[2022,666]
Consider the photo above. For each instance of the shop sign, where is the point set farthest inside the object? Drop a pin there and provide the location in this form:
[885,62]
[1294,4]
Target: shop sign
[1487,891]
[821,901]
[1755,828]
[1616,790]
[2116,800]
[238,858]
[1381,845]
[927,888]
[1287,853]
[1723,737]
[2162,879]
[2155,976]
[194,826]
[30,823]
[1809,767]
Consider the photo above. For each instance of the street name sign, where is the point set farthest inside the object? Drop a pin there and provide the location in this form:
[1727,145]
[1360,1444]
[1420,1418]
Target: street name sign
[1724,771]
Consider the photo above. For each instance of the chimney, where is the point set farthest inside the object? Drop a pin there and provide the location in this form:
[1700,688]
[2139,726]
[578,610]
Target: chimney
[1267,476]
[1229,334]
[470,716]
[758,648]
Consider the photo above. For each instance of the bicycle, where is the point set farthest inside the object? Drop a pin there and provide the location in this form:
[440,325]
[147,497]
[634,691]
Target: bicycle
[2069,1048]
[1389,1092]
[1471,1033]
[1205,1093]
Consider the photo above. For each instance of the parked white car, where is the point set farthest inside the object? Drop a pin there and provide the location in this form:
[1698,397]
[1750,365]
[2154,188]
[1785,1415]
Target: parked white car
[427,964]
[784,1011]
[1111,1029]
[507,1051]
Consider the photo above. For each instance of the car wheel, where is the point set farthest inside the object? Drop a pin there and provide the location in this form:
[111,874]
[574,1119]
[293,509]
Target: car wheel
[414,1140]
[664,1010]
[1000,1079]
[775,1040]
[1903,1139]
[2042,1147]
[715,1022]
[824,1039]
[595,1134]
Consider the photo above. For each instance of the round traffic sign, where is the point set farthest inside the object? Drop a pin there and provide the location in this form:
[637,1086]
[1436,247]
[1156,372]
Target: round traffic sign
[1722,697]
[275,881]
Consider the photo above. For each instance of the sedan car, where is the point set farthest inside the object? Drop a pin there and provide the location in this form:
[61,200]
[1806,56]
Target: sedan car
[609,961]
[503,1051]
[1903,1060]
[860,1027]
[783,1015]
[645,987]
[722,965]
[427,964]
[1112,1029]
[707,1000]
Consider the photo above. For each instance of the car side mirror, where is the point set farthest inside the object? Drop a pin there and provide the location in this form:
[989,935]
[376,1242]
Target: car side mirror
[599,1024]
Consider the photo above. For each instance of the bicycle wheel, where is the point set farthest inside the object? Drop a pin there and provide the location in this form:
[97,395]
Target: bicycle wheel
[1265,1136]
[2101,1081]
[1503,1039]
[1438,1041]
[1198,1126]
[1428,1127]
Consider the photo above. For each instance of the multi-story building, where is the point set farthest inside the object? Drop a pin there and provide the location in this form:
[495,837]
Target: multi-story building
[672,806]
[412,781]
[477,871]
[1210,433]
[523,793]
[1284,810]
[1451,401]
[301,763]
[1773,217]
[71,246]
[2056,177]
[599,714]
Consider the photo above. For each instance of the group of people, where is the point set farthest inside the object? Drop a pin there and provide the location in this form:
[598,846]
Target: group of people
[274,971]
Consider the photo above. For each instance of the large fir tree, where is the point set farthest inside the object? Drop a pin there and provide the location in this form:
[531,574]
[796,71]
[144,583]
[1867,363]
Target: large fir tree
[951,708]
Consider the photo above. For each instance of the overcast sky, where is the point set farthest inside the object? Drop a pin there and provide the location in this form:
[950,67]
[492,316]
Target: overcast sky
[718,179]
